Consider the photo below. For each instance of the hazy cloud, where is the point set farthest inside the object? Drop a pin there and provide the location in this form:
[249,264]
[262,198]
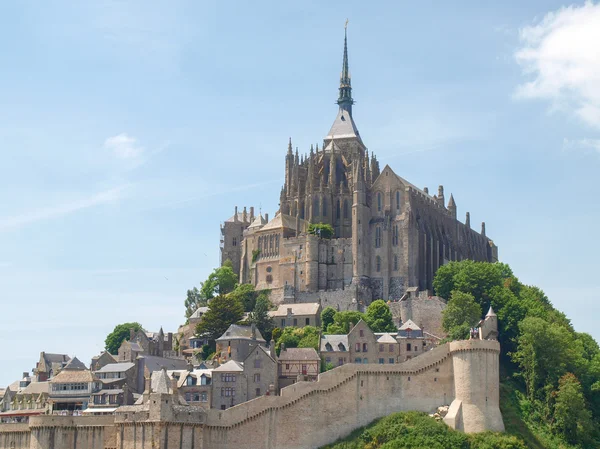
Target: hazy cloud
[124,146]
[47,213]
[582,144]
[560,55]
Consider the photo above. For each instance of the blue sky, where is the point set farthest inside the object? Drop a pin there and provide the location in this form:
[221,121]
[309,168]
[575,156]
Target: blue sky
[130,129]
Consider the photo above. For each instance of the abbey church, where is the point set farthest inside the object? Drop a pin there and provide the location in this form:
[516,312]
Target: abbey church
[389,235]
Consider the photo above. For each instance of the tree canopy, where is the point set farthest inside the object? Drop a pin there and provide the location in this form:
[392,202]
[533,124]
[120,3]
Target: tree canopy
[193,300]
[221,281]
[327,316]
[321,230]
[298,337]
[120,332]
[461,314]
[260,317]
[222,312]
[379,317]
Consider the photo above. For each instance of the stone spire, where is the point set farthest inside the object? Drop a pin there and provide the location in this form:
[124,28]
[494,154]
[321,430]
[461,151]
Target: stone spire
[440,196]
[332,178]
[345,100]
[452,207]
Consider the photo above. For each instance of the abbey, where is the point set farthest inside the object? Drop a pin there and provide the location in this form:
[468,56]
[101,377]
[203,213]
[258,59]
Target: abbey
[388,234]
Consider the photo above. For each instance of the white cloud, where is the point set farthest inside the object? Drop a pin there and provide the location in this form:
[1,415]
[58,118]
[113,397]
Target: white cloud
[560,54]
[124,146]
[582,144]
[47,213]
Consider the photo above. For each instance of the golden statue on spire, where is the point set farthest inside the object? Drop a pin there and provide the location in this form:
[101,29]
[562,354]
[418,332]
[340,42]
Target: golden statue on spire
[346,24]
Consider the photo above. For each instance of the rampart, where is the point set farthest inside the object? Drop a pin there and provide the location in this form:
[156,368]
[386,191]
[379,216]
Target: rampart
[305,415]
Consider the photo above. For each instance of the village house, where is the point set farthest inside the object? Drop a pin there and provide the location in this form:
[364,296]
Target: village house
[104,358]
[49,365]
[71,389]
[298,364]
[297,315]
[334,349]
[195,386]
[19,405]
[363,344]
[237,342]
[229,386]
[411,340]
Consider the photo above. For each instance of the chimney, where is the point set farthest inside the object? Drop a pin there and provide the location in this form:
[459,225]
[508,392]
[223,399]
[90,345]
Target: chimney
[282,347]
[235,215]
[147,384]
[174,386]
[251,214]
[272,349]
[468,220]
[267,218]
[253,327]
[483,228]
[25,374]
[131,334]
[170,340]
[426,190]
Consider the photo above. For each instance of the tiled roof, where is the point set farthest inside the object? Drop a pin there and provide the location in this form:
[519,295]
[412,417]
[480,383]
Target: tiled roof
[386,338]
[258,222]
[36,388]
[236,331]
[410,324]
[74,364]
[240,216]
[334,341]
[284,221]
[309,308]
[154,363]
[198,312]
[301,354]
[71,376]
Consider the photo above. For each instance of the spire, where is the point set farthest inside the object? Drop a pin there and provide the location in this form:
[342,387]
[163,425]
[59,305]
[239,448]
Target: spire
[452,207]
[290,147]
[345,100]
[491,312]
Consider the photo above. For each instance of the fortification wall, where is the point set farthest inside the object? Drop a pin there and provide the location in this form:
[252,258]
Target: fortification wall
[72,432]
[14,436]
[153,435]
[345,398]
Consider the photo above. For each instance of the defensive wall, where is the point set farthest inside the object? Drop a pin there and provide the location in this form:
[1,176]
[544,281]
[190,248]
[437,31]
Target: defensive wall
[463,374]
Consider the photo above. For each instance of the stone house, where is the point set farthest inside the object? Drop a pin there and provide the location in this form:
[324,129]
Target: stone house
[238,342]
[229,387]
[298,364]
[118,386]
[260,371]
[297,315]
[388,348]
[19,405]
[102,359]
[412,341]
[195,386]
[363,344]
[49,365]
[129,351]
[188,341]
[71,389]
[334,349]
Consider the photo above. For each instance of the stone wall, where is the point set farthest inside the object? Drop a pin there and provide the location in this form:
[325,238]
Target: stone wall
[14,436]
[72,432]
[426,312]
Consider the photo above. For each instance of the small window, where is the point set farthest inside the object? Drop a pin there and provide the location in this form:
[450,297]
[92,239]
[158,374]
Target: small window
[258,392]
[378,264]
[395,263]
[391,360]
[381,347]
[257,363]
[379,201]
[234,241]
[408,347]
[357,360]
[365,360]
[307,321]
[287,366]
[257,377]
[295,321]
[364,347]
[362,333]
[381,360]
[398,200]
[357,347]
[391,347]
[269,269]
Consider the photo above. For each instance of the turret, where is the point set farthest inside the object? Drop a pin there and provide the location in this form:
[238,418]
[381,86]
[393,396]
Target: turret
[483,228]
[440,196]
[468,220]
[452,207]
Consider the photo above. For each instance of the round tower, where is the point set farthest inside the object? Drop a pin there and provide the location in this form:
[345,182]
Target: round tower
[476,385]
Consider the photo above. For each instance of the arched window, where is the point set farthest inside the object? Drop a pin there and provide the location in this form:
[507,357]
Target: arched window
[324,207]
[378,264]
[398,200]
[379,201]
[345,208]
[338,211]
[316,207]
[378,237]
[395,263]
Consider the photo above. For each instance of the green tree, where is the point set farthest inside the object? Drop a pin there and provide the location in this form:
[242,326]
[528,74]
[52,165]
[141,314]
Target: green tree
[545,352]
[379,317]
[222,312]
[572,419]
[120,332]
[247,295]
[467,276]
[344,321]
[221,281]
[193,300]
[298,337]
[260,317]
[327,316]
[461,313]
[321,230]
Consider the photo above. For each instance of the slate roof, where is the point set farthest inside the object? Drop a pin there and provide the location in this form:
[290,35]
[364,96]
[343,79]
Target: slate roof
[258,222]
[72,376]
[155,363]
[56,358]
[386,338]
[198,312]
[36,388]
[116,367]
[300,354]
[240,217]
[74,364]
[343,127]
[309,308]
[161,382]
[410,324]
[230,367]
[237,332]
[334,341]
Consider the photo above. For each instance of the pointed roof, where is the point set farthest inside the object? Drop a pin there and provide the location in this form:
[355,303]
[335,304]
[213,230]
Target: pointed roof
[345,100]
[229,367]
[258,222]
[386,338]
[284,221]
[491,312]
[237,332]
[74,364]
[451,202]
[343,127]
[161,382]
[410,324]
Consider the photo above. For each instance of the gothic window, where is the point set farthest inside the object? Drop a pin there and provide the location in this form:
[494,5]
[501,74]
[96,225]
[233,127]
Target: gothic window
[379,201]
[324,207]
[395,263]
[398,200]
[316,207]
[395,236]
[337,210]
[378,237]
[345,208]
[378,263]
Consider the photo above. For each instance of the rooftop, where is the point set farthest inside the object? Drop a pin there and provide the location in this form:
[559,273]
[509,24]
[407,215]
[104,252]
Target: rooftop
[309,308]
[302,354]
[116,367]
[230,367]
[235,331]
[334,341]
